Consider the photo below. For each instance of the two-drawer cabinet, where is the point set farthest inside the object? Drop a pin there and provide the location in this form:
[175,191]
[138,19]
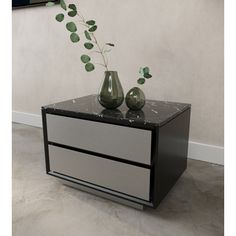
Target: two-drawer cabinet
[127,156]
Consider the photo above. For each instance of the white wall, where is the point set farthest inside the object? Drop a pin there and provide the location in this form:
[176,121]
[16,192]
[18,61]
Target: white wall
[181,41]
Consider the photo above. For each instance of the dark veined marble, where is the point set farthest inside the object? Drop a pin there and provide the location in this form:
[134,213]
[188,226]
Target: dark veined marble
[154,113]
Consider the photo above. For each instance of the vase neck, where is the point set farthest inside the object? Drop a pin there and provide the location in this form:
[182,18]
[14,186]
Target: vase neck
[111,73]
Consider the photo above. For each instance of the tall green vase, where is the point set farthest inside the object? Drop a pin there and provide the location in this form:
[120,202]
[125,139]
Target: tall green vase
[111,94]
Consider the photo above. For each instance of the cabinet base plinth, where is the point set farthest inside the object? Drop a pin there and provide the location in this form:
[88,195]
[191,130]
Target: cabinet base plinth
[104,195]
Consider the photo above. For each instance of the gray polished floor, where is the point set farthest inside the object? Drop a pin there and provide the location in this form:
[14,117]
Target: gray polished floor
[42,206]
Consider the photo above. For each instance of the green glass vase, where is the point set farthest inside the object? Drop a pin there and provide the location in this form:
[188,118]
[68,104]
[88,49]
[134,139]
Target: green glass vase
[135,99]
[111,94]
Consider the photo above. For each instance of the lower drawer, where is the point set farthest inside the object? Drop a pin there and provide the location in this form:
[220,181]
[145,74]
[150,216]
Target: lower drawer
[122,177]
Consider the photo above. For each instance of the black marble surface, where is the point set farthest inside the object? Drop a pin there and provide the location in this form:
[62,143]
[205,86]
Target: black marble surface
[154,113]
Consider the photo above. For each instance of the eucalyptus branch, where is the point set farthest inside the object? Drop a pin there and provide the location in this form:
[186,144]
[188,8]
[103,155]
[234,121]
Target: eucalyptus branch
[95,41]
[90,27]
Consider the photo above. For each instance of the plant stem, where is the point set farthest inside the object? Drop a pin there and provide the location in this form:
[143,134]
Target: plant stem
[94,52]
[100,64]
[95,41]
[99,48]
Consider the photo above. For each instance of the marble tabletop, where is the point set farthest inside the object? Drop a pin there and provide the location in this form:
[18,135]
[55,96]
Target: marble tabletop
[154,113]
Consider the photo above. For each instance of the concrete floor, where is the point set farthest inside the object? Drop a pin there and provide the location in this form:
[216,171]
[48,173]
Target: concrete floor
[42,206]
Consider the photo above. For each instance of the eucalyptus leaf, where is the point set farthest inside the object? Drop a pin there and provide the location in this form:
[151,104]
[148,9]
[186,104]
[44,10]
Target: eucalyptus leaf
[74,38]
[147,76]
[141,81]
[141,71]
[85,58]
[89,67]
[90,22]
[71,27]
[63,4]
[88,45]
[50,4]
[72,7]
[87,35]
[146,70]
[110,44]
[93,28]
[60,17]
[72,13]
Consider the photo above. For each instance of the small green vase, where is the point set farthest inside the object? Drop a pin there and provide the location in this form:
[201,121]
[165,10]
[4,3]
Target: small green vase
[135,99]
[111,94]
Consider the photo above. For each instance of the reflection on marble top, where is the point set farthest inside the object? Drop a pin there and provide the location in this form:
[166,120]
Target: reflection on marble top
[154,113]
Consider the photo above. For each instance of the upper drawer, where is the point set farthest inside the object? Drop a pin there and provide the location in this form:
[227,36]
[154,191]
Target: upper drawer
[113,140]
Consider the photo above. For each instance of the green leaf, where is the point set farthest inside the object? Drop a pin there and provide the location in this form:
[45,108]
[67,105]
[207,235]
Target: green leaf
[74,10]
[74,38]
[72,7]
[71,27]
[147,76]
[63,5]
[60,17]
[141,71]
[85,58]
[87,35]
[89,67]
[93,28]
[88,45]
[90,22]
[110,44]
[72,13]
[50,4]
[141,81]
[146,70]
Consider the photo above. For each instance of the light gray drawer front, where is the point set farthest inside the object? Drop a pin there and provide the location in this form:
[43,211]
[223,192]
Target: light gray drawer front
[114,140]
[125,178]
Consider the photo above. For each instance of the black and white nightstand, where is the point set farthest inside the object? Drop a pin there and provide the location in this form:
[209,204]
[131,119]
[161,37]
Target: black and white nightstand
[134,157]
